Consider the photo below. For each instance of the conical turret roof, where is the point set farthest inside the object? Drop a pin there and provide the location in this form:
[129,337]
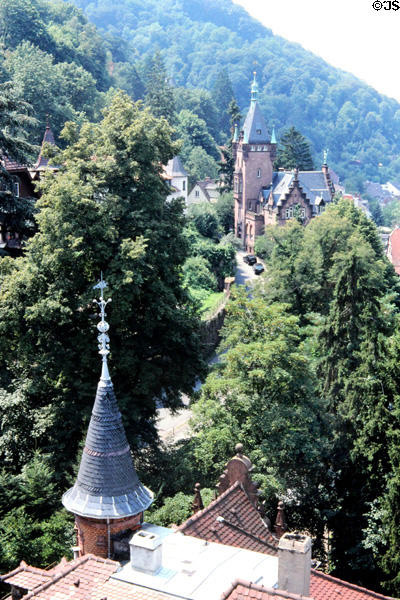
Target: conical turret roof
[48,138]
[107,485]
[255,129]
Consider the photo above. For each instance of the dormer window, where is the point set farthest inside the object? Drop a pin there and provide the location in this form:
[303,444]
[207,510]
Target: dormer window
[253,148]
[258,172]
[258,131]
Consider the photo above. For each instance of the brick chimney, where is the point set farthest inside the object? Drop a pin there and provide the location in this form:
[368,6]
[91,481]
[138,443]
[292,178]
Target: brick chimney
[294,563]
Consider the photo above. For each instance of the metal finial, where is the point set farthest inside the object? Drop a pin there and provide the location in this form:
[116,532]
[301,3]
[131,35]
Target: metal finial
[103,327]
[326,156]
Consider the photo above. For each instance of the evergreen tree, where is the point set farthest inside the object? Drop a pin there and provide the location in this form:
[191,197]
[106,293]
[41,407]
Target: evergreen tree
[294,151]
[227,164]
[159,97]
[223,95]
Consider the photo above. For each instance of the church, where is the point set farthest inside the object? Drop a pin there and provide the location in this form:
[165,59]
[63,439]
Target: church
[267,197]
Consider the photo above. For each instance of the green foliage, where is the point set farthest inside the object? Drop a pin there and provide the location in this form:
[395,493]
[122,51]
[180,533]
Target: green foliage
[294,151]
[265,243]
[225,211]
[200,165]
[197,274]
[391,214]
[177,509]
[96,215]
[159,97]
[192,130]
[223,96]
[204,217]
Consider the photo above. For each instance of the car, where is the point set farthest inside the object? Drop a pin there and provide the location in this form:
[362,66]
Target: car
[258,268]
[250,259]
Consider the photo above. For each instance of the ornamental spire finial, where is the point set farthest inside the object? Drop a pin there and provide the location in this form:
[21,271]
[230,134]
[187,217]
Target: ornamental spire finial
[103,327]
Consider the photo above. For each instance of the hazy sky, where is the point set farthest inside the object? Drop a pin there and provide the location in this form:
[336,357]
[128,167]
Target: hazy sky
[348,34]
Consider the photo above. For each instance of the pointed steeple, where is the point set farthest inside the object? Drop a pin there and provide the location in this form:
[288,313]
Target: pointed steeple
[254,89]
[107,486]
[48,138]
[254,128]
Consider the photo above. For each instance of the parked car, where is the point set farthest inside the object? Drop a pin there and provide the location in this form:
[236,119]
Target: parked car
[250,259]
[258,268]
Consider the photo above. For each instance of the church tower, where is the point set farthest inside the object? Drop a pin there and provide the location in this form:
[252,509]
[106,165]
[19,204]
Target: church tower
[254,152]
[107,499]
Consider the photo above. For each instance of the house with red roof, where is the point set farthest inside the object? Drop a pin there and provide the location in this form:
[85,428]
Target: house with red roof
[393,249]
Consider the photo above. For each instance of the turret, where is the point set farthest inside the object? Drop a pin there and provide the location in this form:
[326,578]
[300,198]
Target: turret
[107,497]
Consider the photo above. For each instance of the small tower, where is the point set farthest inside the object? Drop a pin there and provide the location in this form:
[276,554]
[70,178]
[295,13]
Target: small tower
[254,151]
[107,498]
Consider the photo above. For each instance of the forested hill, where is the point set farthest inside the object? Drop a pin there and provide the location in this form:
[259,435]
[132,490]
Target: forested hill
[197,38]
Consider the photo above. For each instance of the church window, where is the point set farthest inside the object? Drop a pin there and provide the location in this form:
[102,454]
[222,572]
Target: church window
[258,172]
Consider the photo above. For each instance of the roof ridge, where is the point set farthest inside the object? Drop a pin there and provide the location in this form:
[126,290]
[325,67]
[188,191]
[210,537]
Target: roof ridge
[213,503]
[262,588]
[352,586]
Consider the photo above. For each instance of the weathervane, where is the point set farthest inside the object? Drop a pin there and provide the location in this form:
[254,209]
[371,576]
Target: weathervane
[326,156]
[103,327]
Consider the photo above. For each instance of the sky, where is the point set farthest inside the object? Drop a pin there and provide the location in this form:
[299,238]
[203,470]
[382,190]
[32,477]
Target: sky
[349,34]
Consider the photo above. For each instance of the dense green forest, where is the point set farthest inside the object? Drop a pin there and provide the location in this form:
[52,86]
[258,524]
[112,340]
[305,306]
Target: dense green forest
[200,38]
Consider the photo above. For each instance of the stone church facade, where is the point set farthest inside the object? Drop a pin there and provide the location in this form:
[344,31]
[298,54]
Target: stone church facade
[267,197]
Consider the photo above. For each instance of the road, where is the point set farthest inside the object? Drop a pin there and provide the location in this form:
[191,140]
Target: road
[175,427]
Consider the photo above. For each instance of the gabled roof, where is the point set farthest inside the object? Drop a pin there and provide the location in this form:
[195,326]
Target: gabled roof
[107,484]
[233,520]
[12,165]
[255,129]
[312,183]
[175,168]
[244,590]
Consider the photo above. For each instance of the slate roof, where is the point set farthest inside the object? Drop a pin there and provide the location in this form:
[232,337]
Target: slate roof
[175,168]
[244,590]
[312,183]
[48,138]
[255,129]
[107,484]
[241,525]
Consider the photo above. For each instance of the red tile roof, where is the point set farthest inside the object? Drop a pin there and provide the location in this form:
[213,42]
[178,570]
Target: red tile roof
[394,249]
[86,578]
[12,165]
[241,524]
[326,587]
[243,590]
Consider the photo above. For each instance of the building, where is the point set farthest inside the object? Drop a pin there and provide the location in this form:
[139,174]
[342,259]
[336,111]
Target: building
[224,551]
[176,178]
[264,197]
[23,180]
[204,191]
[393,249]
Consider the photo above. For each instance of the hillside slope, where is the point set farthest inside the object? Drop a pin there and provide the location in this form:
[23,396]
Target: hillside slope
[333,109]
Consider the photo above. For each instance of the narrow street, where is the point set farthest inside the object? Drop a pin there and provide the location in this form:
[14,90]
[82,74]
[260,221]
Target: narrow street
[175,427]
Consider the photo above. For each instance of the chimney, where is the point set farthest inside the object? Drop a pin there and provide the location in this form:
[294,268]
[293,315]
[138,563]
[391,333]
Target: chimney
[146,551]
[294,563]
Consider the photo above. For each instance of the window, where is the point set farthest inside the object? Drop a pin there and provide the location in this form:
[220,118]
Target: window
[253,148]
[197,193]
[16,188]
[183,185]
[258,131]
[258,172]
[302,213]
[259,148]
[289,212]
[240,186]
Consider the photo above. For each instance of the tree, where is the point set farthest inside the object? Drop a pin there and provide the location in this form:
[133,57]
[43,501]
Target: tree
[200,165]
[193,132]
[227,164]
[159,97]
[225,211]
[264,392]
[294,151]
[222,93]
[105,210]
